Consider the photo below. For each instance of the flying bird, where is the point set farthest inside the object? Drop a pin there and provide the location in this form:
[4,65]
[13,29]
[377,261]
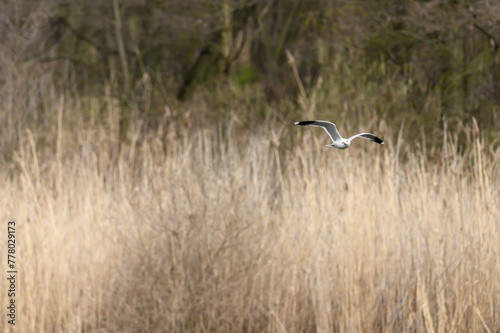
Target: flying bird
[338,141]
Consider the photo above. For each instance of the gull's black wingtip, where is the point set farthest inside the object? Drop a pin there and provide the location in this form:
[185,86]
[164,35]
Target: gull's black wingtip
[304,123]
[378,140]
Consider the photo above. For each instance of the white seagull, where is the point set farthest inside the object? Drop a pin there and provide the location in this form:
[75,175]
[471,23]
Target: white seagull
[338,141]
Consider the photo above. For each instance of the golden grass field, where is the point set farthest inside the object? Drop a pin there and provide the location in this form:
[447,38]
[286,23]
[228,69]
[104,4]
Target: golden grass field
[207,231]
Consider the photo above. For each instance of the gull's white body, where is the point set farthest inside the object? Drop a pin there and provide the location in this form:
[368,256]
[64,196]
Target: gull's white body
[338,141]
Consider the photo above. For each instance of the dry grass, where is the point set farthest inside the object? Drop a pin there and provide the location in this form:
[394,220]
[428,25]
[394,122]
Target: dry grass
[200,233]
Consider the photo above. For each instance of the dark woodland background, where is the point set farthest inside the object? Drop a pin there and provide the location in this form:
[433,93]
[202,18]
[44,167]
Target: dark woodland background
[419,66]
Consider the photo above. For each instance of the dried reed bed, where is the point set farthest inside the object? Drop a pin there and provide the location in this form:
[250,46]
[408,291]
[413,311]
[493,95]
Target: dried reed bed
[202,233]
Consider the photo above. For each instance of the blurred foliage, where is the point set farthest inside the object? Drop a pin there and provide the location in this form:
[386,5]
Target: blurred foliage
[421,62]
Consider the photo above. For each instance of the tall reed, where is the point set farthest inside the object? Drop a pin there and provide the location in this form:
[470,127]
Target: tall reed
[273,233]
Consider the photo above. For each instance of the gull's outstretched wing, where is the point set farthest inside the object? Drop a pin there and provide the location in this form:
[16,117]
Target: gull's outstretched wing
[329,127]
[368,136]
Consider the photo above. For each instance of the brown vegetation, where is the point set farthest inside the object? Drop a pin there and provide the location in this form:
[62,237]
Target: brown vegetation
[148,157]
[206,232]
